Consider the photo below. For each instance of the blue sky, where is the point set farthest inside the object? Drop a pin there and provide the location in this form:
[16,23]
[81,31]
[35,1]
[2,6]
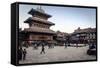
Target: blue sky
[66,19]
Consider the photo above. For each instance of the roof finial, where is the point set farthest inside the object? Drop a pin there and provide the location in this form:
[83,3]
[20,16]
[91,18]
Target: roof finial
[39,8]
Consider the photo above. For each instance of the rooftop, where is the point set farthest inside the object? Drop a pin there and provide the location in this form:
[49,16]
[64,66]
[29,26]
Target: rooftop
[39,20]
[86,30]
[39,11]
[39,30]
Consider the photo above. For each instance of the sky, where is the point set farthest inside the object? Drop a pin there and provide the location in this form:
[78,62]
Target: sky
[66,19]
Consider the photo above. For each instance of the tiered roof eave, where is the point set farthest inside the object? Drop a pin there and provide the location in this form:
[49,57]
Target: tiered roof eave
[39,30]
[32,11]
[30,19]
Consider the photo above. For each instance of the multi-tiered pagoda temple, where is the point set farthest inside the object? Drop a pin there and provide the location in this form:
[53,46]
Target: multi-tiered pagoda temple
[39,26]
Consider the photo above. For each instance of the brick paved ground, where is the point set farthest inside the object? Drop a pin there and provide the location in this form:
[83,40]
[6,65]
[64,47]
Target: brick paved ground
[58,53]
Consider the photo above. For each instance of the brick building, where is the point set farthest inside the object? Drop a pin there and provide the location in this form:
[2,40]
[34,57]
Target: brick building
[84,35]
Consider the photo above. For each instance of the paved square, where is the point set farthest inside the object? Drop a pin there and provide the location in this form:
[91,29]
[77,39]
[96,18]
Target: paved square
[58,53]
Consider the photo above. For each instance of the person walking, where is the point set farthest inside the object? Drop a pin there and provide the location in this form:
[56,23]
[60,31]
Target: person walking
[20,53]
[24,54]
[43,49]
[65,45]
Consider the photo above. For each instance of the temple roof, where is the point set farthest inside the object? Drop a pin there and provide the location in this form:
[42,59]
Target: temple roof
[87,30]
[30,19]
[39,11]
[39,30]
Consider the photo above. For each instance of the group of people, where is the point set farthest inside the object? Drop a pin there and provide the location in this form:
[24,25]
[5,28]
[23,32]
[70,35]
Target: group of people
[35,46]
[22,54]
[42,48]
